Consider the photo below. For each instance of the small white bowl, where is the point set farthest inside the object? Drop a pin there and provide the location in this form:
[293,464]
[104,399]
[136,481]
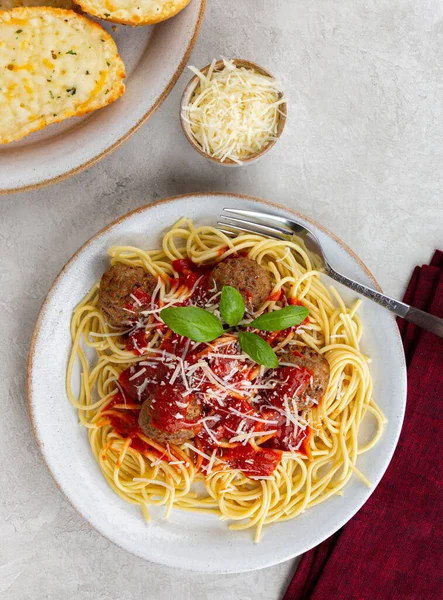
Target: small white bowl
[187,95]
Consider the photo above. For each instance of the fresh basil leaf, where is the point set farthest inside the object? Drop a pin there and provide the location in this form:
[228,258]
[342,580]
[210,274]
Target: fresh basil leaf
[232,306]
[192,322]
[280,319]
[259,350]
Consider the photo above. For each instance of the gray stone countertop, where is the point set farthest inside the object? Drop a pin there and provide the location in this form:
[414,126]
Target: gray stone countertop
[362,154]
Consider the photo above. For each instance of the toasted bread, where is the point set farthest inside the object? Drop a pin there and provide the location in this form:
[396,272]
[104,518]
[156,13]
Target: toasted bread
[54,64]
[133,12]
[8,4]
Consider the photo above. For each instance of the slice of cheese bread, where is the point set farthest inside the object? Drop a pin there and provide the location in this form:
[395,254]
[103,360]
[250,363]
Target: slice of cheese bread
[8,4]
[54,64]
[133,12]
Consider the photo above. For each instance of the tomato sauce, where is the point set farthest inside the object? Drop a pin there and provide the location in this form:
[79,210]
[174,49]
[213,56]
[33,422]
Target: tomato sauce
[169,409]
[187,272]
[125,423]
[216,421]
[254,463]
[141,301]
[136,341]
[133,379]
[192,276]
[290,382]
[275,296]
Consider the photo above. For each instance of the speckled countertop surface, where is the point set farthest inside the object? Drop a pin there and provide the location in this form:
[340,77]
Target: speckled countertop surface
[362,154]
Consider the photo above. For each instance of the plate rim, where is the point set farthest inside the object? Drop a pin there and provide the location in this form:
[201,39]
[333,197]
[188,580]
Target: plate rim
[147,207]
[166,91]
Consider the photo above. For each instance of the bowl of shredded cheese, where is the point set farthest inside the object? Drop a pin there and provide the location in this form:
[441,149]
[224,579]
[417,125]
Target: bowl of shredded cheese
[233,111]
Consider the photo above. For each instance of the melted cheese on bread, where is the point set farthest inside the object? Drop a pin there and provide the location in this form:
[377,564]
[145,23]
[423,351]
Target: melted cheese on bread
[54,64]
[133,12]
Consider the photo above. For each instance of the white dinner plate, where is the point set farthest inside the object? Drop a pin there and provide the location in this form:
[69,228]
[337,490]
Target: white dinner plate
[194,541]
[154,58]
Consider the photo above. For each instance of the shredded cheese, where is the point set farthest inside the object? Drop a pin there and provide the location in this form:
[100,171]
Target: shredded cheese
[234,111]
[136,375]
[245,437]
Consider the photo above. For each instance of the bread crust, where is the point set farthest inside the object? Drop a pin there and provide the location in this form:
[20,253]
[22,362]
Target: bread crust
[10,4]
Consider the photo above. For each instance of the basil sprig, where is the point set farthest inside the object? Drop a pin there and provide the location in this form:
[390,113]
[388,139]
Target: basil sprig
[200,325]
[232,306]
[280,319]
[192,322]
[258,349]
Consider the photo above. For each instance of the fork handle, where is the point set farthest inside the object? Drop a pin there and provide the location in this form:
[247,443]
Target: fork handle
[425,320]
[409,313]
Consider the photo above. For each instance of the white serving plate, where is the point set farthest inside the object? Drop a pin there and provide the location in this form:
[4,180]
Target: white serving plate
[154,57]
[193,541]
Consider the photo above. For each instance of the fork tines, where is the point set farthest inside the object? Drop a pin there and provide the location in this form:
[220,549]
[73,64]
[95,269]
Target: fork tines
[231,225]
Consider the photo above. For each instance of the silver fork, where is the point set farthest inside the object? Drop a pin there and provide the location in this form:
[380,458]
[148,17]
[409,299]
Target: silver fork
[281,228]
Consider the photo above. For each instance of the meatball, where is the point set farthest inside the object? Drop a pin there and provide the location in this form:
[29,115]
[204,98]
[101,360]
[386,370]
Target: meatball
[317,365]
[178,437]
[116,286]
[247,276]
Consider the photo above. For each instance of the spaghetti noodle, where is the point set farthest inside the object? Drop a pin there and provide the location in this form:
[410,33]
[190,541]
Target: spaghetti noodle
[284,481]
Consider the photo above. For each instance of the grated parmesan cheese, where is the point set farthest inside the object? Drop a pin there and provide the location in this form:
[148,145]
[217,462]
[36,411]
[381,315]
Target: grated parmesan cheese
[234,112]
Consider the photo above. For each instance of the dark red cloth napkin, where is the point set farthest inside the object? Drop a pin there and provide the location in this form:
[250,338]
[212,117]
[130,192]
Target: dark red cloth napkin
[393,548]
